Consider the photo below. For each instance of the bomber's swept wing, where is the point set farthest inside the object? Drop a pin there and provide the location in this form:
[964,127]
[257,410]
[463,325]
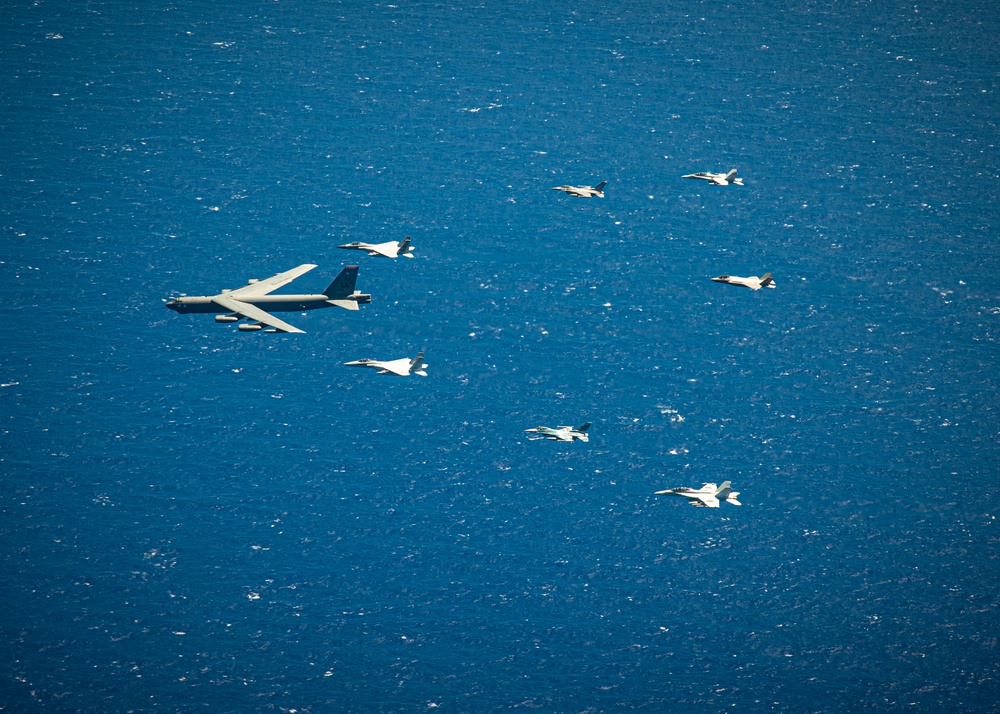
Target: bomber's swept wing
[253,312]
[263,287]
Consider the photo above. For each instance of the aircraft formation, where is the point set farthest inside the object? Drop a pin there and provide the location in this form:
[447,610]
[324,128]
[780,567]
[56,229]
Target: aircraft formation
[255,303]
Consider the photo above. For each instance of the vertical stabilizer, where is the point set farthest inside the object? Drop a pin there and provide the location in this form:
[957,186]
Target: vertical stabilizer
[724,490]
[766,280]
[404,248]
[731,175]
[343,285]
[600,186]
[583,427]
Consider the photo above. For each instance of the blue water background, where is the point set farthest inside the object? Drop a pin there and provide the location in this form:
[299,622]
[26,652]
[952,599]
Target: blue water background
[198,519]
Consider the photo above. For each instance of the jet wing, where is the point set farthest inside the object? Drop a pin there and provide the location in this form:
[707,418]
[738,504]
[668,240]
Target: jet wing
[397,366]
[254,313]
[389,250]
[263,287]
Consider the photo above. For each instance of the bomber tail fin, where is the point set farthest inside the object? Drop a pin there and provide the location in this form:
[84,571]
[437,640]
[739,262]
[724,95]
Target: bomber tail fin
[342,286]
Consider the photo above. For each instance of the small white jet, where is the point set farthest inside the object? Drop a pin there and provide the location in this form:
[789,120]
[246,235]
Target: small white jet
[561,433]
[403,367]
[753,282]
[708,496]
[584,191]
[389,250]
[718,179]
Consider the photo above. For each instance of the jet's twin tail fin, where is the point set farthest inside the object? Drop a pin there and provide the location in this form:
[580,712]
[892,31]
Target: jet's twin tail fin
[731,175]
[417,365]
[404,248]
[342,286]
[766,280]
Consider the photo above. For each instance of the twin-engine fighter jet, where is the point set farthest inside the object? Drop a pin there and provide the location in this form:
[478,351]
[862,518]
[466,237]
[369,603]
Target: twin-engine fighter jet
[402,367]
[753,282]
[717,179]
[584,191]
[561,433]
[708,496]
[389,250]
[251,300]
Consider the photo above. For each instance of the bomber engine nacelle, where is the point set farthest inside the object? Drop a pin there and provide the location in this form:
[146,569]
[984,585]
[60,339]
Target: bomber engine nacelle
[227,318]
[250,327]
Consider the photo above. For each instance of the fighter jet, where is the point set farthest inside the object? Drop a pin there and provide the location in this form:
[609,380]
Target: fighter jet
[584,191]
[708,496]
[561,433]
[251,300]
[389,250]
[753,282]
[403,367]
[717,179]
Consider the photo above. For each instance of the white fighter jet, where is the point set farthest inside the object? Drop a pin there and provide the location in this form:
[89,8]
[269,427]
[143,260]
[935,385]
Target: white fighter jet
[389,250]
[402,367]
[718,179]
[584,191]
[561,433]
[753,282]
[708,496]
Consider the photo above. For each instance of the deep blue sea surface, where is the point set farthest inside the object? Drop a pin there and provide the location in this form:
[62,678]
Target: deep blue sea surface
[197,519]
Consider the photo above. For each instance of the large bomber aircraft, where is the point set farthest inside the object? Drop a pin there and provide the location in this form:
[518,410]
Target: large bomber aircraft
[402,367]
[388,250]
[753,282]
[561,433]
[251,300]
[717,179]
[708,496]
[584,191]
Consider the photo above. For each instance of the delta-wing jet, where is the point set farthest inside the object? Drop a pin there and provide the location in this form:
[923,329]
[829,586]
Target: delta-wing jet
[561,433]
[726,179]
[255,302]
[584,191]
[403,367]
[708,496]
[388,250]
[753,282]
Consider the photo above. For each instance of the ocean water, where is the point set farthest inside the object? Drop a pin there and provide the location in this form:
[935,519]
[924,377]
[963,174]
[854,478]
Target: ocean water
[193,518]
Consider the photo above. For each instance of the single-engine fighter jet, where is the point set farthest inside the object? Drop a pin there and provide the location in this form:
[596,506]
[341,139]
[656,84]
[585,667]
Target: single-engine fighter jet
[708,496]
[403,367]
[717,179]
[389,250]
[584,191]
[255,302]
[753,282]
[561,433]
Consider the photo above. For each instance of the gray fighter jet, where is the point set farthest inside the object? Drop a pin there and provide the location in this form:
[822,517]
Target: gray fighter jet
[402,367]
[584,191]
[753,282]
[708,496]
[717,179]
[561,433]
[389,250]
[254,300]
